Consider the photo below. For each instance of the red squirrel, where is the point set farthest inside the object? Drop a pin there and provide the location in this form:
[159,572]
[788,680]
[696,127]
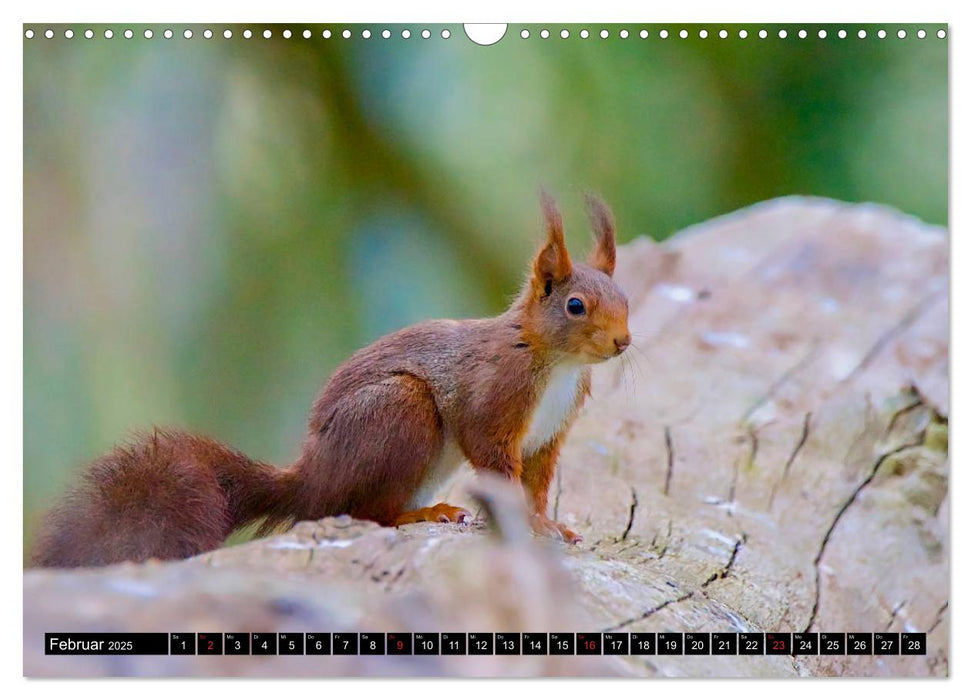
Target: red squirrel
[390,426]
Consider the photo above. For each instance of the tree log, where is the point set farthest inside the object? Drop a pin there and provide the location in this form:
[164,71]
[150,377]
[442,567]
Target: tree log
[771,455]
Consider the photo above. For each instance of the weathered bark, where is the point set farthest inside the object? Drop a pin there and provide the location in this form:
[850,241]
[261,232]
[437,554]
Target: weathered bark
[772,455]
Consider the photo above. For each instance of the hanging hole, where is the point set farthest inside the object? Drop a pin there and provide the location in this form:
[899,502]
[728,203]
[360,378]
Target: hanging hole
[485,34]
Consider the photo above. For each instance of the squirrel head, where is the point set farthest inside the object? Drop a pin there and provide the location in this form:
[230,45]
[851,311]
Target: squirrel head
[577,310]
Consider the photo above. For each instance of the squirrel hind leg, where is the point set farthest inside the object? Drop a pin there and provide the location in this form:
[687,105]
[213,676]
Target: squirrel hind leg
[381,444]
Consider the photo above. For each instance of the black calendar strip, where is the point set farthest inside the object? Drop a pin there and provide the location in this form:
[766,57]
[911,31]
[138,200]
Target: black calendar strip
[491,643]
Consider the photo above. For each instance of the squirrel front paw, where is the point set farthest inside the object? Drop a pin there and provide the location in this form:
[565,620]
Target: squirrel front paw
[545,526]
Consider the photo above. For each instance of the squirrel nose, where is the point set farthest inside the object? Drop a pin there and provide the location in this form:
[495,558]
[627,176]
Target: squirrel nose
[622,343]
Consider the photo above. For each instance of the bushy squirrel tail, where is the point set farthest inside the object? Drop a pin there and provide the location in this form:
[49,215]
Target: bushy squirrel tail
[166,495]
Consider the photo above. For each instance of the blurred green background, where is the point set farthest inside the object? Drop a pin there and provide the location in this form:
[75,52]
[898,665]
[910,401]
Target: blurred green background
[211,226]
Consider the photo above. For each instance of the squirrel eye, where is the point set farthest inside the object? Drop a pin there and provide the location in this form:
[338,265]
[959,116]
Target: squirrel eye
[575,307]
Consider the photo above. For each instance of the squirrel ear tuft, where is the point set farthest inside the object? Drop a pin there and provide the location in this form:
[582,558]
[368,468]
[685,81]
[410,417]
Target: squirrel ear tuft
[552,263]
[604,254]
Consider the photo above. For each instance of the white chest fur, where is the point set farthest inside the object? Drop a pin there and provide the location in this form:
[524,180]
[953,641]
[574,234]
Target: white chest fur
[554,406]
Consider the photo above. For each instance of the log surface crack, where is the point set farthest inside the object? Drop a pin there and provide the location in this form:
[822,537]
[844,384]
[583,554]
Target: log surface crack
[725,570]
[892,333]
[648,613]
[669,449]
[782,380]
[821,551]
[939,617]
[792,457]
[633,512]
